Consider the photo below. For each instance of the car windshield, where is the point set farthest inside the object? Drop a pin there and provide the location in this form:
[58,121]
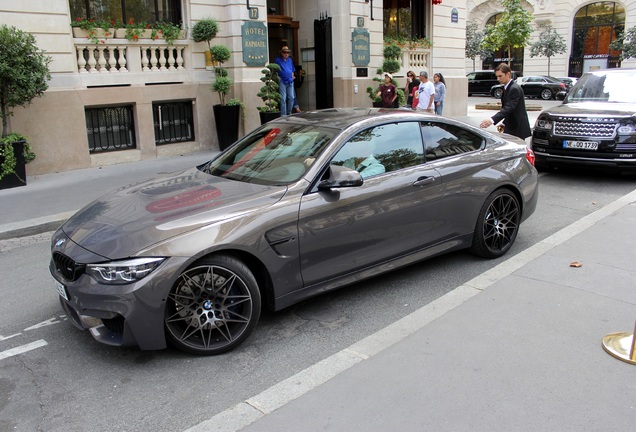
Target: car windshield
[604,87]
[274,154]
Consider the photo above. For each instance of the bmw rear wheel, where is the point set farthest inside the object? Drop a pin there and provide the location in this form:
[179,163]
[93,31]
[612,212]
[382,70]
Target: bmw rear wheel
[497,225]
[213,307]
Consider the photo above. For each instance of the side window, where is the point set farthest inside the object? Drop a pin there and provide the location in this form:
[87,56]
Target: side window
[443,140]
[382,149]
[471,76]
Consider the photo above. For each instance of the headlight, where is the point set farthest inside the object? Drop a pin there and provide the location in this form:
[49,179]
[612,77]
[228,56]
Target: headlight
[123,272]
[626,129]
[543,124]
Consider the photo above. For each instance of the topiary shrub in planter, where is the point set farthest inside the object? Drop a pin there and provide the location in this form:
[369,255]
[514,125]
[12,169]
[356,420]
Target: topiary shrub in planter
[269,93]
[226,117]
[24,75]
[204,31]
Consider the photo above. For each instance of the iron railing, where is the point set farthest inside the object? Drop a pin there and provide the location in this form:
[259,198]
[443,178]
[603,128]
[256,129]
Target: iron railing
[110,129]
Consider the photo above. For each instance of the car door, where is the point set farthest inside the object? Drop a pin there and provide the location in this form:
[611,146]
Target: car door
[532,86]
[392,213]
[455,153]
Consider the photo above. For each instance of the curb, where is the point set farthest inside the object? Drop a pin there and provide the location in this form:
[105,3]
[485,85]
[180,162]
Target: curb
[34,226]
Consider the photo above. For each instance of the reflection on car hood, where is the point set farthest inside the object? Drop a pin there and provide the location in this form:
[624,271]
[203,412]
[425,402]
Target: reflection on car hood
[134,217]
[593,108]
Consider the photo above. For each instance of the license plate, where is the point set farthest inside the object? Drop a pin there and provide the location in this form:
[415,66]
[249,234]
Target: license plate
[581,145]
[61,289]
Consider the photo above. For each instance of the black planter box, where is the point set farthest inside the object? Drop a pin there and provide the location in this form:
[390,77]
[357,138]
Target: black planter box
[19,178]
[268,116]
[226,118]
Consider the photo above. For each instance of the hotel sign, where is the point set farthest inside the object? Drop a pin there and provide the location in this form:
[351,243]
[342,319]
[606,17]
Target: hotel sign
[254,41]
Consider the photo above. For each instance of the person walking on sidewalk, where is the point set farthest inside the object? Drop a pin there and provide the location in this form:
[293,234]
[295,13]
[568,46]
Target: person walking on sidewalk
[425,94]
[513,106]
[286,84]
[440,92]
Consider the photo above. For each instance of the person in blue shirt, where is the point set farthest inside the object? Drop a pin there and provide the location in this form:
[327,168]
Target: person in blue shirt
[286,84]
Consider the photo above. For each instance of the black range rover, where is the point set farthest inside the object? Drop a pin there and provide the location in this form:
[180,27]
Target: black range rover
[594,126]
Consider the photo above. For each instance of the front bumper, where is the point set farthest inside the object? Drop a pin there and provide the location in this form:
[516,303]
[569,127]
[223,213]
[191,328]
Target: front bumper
[122,315]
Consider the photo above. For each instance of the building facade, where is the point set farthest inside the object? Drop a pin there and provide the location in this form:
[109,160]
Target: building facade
[124,99]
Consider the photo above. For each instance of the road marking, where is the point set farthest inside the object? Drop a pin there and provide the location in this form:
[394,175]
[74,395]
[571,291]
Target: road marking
[22,349]
[44,324]
[3,338]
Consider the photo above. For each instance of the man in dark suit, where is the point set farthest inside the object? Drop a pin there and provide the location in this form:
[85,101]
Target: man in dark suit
[513,106]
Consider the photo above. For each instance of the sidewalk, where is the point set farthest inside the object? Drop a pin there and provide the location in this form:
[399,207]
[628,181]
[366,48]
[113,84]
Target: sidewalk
[518,348]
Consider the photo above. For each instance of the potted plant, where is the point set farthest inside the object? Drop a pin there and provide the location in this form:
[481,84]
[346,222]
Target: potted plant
[269,93]
[24,75]
[226,117]
[138,30]
[96,31]
[204,31]
[168,31]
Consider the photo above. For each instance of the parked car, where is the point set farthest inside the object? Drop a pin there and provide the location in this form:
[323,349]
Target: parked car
[595,126]
[480,82]
[302,205]
[568,81]
[545,87]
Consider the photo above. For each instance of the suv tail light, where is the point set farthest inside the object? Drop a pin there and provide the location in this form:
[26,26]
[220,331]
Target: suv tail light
[530,156]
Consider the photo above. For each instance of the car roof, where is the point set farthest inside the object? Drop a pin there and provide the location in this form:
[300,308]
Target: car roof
[342,118]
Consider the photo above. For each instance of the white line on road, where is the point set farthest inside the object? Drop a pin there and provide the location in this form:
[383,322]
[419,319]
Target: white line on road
[22,349]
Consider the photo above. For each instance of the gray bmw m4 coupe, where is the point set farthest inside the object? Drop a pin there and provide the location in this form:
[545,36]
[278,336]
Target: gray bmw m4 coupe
[300,206]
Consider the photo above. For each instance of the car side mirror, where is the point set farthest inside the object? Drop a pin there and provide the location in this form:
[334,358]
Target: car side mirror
[560,95]
[340,177]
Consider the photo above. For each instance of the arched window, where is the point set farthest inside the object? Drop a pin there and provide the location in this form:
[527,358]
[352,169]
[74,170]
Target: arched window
[595,26]
[501,54]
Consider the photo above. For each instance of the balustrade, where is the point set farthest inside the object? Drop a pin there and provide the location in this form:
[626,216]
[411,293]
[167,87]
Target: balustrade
[121,56]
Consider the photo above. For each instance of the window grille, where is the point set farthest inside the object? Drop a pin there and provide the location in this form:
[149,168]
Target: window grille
[110,129]
[173,122]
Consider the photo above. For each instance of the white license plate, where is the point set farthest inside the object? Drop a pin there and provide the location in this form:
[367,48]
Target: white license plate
[582,145]
[61,289]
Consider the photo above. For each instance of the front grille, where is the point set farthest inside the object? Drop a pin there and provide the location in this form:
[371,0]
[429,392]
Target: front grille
[116,325]
[69,269]
[574,128]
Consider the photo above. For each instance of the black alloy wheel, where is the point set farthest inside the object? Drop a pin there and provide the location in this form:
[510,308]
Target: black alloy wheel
[213,307]
[498,92]
[497,225]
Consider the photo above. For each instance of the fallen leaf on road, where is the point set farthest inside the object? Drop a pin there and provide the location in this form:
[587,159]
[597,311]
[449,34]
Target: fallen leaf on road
[575,264]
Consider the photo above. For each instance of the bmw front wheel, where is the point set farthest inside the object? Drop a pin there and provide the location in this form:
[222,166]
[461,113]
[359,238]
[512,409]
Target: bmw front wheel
[213,307]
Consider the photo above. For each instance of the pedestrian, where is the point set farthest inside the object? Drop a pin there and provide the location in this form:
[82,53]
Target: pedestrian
[411,83]
[440,92]
[388,92]
[299,78]
[286,84]
[425,93]
[513,106]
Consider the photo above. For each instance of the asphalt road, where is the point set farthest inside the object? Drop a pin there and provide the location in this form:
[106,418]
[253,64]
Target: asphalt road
[68,382]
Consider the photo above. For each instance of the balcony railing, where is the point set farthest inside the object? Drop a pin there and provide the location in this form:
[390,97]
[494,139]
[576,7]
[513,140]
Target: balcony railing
[414,59]
[121,56]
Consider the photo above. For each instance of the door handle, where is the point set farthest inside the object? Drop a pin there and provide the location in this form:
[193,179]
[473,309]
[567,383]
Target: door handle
[424,181]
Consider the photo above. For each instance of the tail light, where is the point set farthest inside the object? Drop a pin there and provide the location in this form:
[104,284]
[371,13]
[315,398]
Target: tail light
[530,156]
[562,86]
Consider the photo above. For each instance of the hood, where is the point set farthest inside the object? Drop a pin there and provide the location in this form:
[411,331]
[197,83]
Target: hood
[613,109]
[134,217]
